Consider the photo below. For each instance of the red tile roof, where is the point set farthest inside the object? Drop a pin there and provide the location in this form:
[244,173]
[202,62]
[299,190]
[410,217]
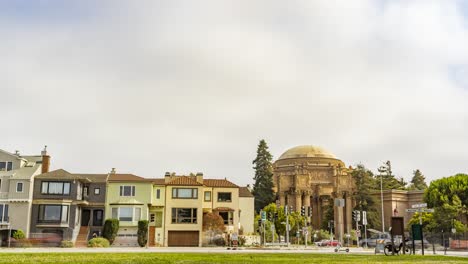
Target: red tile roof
[219,183]
[184,180]
[245,192]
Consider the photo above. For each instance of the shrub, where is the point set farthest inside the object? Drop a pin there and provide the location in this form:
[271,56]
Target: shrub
[111,227]
[19,234]
[219,241]
[98,242]
[241,241]
[67,244]
[142,232]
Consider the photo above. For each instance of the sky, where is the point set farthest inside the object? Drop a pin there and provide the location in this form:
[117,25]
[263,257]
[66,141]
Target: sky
[192,86]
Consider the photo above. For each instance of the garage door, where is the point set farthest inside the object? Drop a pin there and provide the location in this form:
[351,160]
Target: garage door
[183,238]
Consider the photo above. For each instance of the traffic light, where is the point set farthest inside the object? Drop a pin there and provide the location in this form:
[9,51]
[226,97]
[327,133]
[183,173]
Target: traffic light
[292,210]
[303,211]
[276,215]
[309,211]
[259,228]
[270,216]
[356,215]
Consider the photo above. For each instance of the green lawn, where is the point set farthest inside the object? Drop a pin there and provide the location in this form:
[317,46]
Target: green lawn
[133,258]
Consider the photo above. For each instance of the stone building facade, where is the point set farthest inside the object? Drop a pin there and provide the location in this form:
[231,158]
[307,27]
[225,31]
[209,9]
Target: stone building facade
[312,177]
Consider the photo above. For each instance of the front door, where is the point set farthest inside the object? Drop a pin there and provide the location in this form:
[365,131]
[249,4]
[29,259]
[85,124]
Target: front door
[97,217]
[152,236]
[85,216]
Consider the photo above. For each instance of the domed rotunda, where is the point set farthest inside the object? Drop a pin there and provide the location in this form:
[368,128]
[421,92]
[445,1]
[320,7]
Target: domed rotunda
[311,176]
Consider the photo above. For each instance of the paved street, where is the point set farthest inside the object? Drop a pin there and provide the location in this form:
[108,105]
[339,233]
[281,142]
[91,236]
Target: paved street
[292,250]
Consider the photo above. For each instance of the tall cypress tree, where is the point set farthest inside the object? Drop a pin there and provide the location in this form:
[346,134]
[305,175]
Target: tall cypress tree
[263,186]
[418,182]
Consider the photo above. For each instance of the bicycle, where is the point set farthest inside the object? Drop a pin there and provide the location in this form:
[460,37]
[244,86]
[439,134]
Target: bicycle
[396,250]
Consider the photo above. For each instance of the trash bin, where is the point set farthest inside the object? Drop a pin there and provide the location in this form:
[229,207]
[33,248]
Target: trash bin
[379,246]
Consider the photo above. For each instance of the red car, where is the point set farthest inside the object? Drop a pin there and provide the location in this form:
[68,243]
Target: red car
[333,243]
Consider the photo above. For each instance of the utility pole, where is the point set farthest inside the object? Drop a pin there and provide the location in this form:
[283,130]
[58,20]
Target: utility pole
[286,212]
[381,170]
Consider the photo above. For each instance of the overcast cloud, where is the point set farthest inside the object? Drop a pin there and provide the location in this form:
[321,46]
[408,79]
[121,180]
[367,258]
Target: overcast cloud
[187,86]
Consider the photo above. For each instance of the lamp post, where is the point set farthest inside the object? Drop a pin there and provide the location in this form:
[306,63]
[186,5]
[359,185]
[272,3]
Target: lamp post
[381,170]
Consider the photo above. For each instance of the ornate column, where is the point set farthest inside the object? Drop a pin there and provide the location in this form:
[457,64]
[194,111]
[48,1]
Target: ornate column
[318,201]
[349,209]
[306,199]
[298,201]
[282,198]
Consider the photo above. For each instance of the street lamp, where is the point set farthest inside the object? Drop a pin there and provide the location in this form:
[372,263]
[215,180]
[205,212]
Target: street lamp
[381,170]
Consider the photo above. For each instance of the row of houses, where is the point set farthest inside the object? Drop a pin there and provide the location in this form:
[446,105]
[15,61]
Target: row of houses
[74,206]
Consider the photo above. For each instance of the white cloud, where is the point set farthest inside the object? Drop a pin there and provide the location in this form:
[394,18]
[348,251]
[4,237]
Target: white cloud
[188,87]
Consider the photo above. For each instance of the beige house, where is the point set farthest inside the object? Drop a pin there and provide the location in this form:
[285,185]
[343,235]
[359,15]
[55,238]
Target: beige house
[17,174]
[188,198]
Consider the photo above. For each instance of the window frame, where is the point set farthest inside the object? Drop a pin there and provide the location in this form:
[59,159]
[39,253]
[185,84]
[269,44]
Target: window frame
[175,215]
[22,187]
[204,196]
[64,183]
[132,190]
[230,217]
[176,195]
[224,201]
[4,211]
[40,215]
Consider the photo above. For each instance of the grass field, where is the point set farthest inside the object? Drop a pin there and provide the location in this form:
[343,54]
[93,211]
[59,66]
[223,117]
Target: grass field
[133,258]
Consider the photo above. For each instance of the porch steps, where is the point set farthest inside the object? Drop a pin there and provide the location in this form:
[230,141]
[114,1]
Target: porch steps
[82,239]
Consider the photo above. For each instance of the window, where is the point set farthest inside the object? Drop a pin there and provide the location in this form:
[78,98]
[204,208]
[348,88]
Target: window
[4,213]
[126,214]
[6,165]
[224,197]
[97,191]
[152,218]
[55,188]
[53,213]
[158,193]
[19,187]
[184,215]
[127,190]
[207,196]
[85,191]
[228,217]
[185,193]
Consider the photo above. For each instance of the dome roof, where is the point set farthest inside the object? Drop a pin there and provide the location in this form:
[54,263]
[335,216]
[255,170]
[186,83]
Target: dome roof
[306,152]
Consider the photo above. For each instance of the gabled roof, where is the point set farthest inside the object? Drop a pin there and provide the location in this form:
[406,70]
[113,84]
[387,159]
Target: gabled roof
[184,180]
[245,192]
[219,183]
[62,174]
[59,173]
[119,177]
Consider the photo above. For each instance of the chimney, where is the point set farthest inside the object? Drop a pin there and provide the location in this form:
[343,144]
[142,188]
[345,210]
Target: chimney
[199,177]
[17,153]
[113,171]
[167,177]
[45,160]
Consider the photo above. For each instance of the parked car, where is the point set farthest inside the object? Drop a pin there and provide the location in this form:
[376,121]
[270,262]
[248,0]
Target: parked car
[322,243]
[333,243]
[372,241]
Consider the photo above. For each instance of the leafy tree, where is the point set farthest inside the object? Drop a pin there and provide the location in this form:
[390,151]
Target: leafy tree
[449,198]
[213,224]
[418,182]
[365,184]
[296,221]
[263,186]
